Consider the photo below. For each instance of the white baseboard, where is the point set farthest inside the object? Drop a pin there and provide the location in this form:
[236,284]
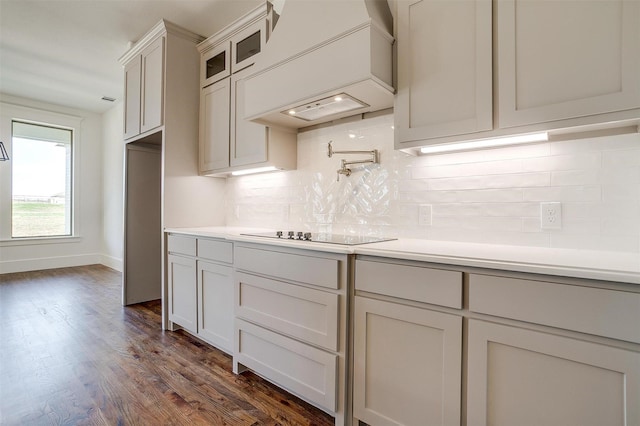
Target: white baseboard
[112,262]
[24,265]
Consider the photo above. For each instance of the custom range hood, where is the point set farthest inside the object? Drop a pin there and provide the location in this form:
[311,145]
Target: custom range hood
[325,59]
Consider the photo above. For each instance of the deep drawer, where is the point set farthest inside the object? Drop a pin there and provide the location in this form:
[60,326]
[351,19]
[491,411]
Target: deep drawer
[415,283]
[608,313]
[318,271]
[218,251]
[304,313]
[303,370]
[181,244]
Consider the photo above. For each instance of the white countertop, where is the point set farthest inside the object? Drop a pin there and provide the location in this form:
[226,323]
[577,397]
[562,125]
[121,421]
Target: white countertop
[608,266]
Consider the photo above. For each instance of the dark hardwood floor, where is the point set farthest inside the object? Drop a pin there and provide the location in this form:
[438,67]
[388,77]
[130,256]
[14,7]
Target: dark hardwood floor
[71,354]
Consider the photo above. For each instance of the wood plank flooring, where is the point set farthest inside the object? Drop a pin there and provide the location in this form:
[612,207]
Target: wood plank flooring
[71,354]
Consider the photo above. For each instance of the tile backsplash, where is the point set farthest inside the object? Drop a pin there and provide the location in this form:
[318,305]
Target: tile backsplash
[485,196]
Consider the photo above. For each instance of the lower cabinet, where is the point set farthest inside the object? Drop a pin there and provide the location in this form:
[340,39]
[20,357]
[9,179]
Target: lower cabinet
[181,278]
[525,377]
[215,304]
[537,350]
[291,322]
[407,364]
[200,288]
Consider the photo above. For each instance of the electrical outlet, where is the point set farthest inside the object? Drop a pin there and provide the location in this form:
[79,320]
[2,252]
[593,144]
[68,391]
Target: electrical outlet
[424,215]
[551,215]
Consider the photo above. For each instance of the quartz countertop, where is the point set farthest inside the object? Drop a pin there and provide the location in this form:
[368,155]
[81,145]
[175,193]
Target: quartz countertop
[598,265]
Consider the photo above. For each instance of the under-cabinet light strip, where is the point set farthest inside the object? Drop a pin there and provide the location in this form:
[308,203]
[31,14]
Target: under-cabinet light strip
[256,170]
[486,143]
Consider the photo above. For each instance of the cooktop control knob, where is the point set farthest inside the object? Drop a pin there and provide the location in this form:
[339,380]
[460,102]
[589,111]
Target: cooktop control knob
[279,234]
[300,235]
[307,236]
[291,234]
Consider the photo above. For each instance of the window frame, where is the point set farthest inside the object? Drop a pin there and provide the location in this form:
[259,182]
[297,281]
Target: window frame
[8,114]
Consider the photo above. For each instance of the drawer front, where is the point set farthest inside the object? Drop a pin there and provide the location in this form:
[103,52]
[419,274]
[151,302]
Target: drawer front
[415,283]
[323,272]
[300,312]
[181,244]
[608,313]
[303,370]
[218,251]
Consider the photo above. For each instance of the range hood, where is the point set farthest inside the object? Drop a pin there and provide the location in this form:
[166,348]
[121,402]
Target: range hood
[324,60]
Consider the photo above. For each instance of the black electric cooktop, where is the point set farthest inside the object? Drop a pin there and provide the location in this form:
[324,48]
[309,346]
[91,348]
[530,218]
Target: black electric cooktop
[345,240]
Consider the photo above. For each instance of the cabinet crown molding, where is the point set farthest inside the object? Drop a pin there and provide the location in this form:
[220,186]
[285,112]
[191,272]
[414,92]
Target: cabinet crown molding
[236,26]
[162,27]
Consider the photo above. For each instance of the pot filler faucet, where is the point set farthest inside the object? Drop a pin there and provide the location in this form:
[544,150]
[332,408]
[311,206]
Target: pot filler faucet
[344,164]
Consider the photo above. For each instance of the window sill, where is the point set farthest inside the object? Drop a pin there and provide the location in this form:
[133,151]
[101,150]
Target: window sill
[39,241]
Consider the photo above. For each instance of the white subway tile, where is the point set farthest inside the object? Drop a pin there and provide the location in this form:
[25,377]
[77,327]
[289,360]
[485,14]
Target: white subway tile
[575,177]
[585,160]
[621,158]
[622,192]
[469,169]
[520,180]
[563,193]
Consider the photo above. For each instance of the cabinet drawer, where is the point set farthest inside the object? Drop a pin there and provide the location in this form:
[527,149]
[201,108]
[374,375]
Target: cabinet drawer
[318,271]
[608,313]
[303,370]
[219,251]
[301,312]
[415,283]
[181,244]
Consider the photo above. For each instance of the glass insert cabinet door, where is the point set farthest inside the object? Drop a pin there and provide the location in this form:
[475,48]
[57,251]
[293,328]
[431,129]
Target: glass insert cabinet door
[216,64]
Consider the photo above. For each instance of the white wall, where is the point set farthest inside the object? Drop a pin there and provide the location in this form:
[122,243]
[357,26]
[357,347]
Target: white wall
[112,187]
[87,247]
[488,196]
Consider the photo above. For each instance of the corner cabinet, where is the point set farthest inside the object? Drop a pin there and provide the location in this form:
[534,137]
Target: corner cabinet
[227,142]
[144,77]
[457,83]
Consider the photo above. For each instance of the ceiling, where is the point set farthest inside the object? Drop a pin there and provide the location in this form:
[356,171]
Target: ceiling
[66,52]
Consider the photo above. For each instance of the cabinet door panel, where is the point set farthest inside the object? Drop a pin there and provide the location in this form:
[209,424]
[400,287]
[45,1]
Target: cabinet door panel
[586,61]
[246,44]
[248,139]
[214,126]
[444,68]
[152,86]
[181,280]
[215,305]
[132,87]
[514,372]
[215,64]
[407,364]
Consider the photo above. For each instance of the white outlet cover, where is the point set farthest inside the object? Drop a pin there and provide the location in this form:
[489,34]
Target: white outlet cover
[425,215]
[551,215]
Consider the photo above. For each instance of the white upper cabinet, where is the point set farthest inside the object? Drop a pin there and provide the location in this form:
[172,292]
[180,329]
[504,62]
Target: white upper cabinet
[566,59]
[152,83]
[214,126]
[477,69]
[158,67]
[132,80]
[228,142]
[144,81]
[444,69]
[248,139]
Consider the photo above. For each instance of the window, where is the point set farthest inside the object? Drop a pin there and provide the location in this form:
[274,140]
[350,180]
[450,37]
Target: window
[41,180]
